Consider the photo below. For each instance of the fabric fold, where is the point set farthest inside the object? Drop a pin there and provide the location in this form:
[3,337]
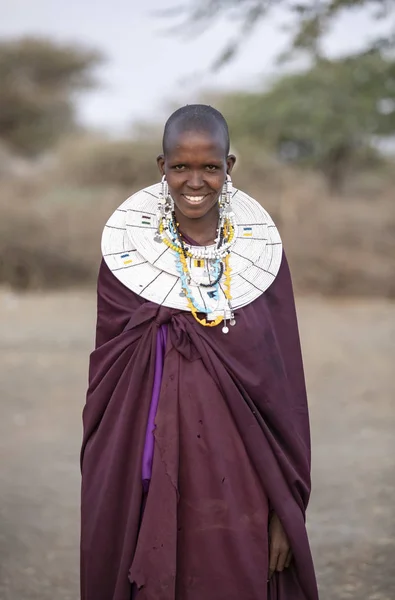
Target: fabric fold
[231,437]
[148,454]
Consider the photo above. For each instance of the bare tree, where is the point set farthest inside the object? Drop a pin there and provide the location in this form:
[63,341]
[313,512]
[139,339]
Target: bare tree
[312,19]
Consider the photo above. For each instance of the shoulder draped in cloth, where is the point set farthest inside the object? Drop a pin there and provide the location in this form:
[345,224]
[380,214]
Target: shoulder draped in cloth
[232,430]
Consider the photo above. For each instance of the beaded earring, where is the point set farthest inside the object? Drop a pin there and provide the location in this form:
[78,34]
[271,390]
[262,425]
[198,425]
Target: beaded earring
[226,196]
[165,206]
[225,209]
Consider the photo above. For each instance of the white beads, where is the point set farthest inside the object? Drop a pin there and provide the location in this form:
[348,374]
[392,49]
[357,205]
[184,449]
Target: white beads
[208,252]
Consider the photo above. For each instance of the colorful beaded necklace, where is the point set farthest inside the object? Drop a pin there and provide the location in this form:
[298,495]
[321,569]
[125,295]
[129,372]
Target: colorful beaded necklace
[223,245]
[218,261]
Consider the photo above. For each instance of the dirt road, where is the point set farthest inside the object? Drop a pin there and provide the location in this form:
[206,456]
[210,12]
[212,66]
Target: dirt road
[349,351]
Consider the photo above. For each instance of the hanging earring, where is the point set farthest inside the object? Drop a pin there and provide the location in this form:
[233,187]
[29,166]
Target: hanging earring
[165,206]
[225,198]
[165,188]
[228,192]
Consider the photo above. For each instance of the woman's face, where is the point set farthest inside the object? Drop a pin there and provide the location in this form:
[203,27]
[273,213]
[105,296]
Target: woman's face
[195,165]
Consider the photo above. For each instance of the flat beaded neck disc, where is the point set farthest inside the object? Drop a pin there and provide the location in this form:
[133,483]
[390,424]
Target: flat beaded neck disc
[148,268]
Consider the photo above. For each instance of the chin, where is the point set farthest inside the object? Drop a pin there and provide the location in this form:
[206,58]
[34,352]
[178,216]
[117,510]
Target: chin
[192,214]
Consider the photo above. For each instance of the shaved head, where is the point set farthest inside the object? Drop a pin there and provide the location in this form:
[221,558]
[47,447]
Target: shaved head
[196,117]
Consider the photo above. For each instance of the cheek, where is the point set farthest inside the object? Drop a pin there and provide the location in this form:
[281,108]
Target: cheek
[175,180]
[215,181]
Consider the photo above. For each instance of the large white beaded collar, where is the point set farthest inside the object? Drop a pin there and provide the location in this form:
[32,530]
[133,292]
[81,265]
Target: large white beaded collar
[147,266]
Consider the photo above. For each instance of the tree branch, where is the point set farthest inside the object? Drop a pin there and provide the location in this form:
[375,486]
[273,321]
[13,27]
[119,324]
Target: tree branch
[313,18]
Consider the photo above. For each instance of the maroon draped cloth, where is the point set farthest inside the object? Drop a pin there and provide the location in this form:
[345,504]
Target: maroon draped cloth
[231,440]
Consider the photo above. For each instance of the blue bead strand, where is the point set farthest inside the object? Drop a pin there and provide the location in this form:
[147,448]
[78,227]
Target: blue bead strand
[186,288]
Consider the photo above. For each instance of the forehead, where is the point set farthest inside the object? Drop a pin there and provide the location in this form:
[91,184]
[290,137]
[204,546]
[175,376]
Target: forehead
[193,140]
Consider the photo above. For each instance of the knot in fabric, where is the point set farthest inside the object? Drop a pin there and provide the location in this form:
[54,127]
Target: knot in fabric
[178,323]
[165,315]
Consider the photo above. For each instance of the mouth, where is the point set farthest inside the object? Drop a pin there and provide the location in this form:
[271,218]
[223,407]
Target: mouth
[194,199]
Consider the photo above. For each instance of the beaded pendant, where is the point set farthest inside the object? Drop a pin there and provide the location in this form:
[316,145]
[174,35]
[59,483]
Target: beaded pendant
[218,256]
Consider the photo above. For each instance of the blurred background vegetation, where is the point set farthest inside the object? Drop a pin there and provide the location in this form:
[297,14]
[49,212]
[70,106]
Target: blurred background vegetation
[315,145]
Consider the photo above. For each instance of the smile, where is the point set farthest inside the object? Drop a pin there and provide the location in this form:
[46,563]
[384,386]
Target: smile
[195,199]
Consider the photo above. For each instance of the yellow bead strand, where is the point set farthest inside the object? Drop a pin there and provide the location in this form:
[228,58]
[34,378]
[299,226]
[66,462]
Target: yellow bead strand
[228,271]
[178,249]
[228,296]
[170,244]
[229,233]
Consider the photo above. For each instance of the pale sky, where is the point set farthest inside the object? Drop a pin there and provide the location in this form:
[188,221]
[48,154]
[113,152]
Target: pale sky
[147,69]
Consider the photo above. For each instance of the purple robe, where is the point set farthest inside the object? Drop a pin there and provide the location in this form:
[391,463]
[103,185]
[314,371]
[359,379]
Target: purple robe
[231,439]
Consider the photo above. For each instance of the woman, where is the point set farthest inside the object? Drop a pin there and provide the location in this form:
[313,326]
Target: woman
[196,450]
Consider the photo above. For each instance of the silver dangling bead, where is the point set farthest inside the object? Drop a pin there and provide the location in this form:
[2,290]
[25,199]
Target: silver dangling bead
[222,205]
[165,188]
[225,199]
[229,184]
[165,204]
[228,193]
[225,328]
[232,320]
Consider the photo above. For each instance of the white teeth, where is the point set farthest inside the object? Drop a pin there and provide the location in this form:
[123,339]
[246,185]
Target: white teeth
[194,198]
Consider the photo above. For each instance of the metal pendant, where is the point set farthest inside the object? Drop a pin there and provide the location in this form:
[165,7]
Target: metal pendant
[225,328]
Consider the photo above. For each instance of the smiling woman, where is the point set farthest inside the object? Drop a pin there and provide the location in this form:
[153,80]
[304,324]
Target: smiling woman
[196,450]
[195,163]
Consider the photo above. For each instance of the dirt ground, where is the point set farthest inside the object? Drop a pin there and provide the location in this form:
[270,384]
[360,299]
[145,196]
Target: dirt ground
[349,350]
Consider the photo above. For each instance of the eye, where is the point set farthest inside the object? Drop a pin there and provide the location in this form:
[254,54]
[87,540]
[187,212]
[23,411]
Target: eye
[179,167]
[212,168]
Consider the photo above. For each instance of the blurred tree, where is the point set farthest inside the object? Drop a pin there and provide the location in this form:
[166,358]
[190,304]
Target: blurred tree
[311,20]
[326,117]
[38,80]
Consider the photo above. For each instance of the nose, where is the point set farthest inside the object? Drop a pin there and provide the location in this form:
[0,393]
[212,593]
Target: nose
[195,181]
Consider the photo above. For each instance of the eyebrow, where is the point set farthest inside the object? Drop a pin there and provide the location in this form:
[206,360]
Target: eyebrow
[178,161]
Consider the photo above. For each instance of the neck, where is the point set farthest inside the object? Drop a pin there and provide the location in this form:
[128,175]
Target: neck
[203,230]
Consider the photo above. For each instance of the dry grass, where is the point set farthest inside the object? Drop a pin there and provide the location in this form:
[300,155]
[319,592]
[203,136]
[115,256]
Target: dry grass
[51,221]
[336,245]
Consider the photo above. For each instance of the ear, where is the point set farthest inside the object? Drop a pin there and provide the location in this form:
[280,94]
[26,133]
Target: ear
[230,163]
[160,161]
